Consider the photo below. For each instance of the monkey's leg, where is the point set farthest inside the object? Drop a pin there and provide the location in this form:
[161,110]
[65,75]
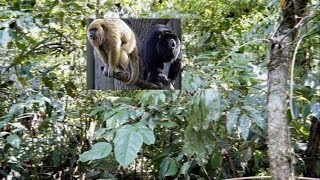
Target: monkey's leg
[124,60]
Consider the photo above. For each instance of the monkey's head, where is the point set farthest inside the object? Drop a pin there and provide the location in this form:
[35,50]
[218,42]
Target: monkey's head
[168,46]
[95,32]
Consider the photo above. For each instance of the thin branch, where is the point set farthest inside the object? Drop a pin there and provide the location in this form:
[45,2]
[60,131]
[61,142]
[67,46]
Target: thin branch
[292,75]
[225,57]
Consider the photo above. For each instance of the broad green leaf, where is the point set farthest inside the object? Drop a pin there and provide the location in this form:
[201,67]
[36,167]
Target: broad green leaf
[232,117]
[127,144]
[98,133]
[122,116]
[17,109]
[13,140]
[98,151]
[147,134]
[244,126]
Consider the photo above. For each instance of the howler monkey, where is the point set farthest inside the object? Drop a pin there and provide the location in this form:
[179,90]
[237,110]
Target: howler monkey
[161,46]
[115,43]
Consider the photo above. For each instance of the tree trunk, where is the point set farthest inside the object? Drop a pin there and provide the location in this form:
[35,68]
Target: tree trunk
[313,149]
[278,61]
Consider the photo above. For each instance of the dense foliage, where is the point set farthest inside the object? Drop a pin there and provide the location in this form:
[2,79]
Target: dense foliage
[52,127]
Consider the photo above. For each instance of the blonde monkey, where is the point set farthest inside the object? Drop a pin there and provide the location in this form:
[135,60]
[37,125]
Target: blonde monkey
[115,43]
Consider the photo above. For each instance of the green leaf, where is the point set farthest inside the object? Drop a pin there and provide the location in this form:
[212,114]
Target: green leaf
[6,120]
[185,167]
[96,110]
[47,82]
[232,117]
[294,109]
[168,168]
[306,111]
[212,102]
[118,119]
[71,89]
[315,110]
[20,45]
[17,109]
[98,133]
[147,134]
[216,160]
[127,144]
[4,133]
[98,151]
[91,6]
[13,140]
[244,126]
[122,116]
[257,118]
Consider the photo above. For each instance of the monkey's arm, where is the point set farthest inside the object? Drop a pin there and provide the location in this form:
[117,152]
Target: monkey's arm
[174,70]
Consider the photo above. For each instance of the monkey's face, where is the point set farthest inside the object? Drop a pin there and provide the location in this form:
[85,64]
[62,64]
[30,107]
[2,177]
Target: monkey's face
[95,32]
[168,46]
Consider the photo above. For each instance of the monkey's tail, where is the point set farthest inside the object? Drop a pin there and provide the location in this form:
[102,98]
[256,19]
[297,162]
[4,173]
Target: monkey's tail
[134,66]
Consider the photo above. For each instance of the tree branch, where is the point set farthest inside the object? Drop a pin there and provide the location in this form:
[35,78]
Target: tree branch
[142,84]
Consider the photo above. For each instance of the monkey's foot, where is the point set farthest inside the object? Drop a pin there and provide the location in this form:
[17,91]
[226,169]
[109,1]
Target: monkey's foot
[109,72]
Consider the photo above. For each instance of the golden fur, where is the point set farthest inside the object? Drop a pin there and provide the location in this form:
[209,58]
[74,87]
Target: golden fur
[115,43]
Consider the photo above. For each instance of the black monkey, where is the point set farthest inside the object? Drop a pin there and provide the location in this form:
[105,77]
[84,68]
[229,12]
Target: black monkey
[160,46]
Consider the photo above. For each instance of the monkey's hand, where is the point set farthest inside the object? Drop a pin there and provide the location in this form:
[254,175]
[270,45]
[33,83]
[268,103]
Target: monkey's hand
[166,84]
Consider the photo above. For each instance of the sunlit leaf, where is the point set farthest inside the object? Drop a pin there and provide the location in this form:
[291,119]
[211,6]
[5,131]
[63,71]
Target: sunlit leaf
[147,134]
[4,37]
[185,167]
[127,144]
[315,111]
[232,117]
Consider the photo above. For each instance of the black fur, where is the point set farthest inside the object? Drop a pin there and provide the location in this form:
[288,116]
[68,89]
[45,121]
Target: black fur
[160,46]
